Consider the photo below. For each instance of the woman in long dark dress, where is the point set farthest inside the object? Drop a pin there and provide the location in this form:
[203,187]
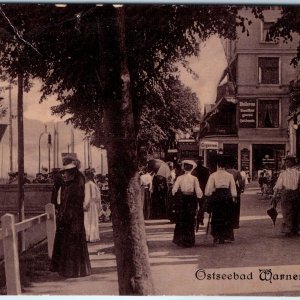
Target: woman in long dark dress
[70,253]
[186,190]
[221,190]
[159,197]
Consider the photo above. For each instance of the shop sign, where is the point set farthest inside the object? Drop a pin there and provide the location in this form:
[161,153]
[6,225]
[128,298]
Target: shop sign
[172,150]
[209,145]
[245,159]
[247,113]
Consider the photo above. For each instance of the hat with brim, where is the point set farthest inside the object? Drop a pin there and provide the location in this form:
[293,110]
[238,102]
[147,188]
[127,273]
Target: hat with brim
[70,166]
[290,157]
[189,162]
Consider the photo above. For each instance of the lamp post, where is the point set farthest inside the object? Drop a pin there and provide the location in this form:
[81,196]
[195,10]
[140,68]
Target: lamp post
[49,151]
[40,147]
[72,141]
[10,131]
[101,155]
[88,152]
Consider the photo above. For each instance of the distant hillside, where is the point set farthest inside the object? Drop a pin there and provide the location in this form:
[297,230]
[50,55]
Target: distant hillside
[32,131]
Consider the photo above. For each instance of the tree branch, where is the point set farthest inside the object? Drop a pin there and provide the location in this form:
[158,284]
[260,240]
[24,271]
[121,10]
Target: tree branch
[18,34]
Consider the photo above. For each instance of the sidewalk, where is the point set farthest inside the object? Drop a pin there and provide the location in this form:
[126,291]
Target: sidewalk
[257,246]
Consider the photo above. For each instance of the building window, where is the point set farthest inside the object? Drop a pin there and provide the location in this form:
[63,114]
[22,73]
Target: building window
[268,113]
[268,70]
[265,34]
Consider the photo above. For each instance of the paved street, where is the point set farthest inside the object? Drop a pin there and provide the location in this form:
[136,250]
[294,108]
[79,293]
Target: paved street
[258,246]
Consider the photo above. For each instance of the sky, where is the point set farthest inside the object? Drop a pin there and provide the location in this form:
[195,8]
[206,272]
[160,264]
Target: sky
[209,66]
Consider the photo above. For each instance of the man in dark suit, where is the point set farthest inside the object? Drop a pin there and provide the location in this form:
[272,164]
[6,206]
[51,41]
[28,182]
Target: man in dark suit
[202,173]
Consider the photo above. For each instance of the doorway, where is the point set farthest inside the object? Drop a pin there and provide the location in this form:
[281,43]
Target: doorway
[273,152]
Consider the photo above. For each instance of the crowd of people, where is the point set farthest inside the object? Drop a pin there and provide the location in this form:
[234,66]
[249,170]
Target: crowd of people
[188,191]
[182,192]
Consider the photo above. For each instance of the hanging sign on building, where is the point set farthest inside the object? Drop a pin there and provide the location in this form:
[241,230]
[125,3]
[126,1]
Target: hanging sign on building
[247,113]
[245,159]
[187,149]
[209,145]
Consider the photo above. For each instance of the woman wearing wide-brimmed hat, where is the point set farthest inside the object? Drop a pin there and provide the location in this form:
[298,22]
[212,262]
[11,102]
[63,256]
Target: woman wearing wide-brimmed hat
[70,256]
[186,190]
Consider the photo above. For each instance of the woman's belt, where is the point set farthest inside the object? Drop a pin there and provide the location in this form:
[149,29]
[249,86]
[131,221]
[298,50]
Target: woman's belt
[188,193]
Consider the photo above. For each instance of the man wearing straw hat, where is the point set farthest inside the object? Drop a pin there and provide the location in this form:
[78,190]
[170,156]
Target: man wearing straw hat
[288,186]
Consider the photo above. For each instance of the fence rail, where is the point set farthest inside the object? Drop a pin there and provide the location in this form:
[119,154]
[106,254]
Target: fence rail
[9,235]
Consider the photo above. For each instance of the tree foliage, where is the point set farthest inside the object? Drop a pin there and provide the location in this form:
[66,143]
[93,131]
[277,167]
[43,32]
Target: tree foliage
[288,27]
[160,120]
[64,48]
[113,69]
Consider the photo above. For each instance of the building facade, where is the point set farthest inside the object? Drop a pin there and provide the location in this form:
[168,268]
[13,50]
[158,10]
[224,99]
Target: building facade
[250,117]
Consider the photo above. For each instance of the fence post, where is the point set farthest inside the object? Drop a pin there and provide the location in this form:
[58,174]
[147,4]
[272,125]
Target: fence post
[51,227]
[11,256]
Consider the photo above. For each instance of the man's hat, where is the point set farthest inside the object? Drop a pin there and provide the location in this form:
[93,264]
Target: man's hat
[69,166]
[72,156]
[290,157]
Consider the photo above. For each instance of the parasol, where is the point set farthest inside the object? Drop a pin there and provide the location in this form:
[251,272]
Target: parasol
[272,213]
[159,167]
[164,170]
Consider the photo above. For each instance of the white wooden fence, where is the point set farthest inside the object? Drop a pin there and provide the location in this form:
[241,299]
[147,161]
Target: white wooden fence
[9,235]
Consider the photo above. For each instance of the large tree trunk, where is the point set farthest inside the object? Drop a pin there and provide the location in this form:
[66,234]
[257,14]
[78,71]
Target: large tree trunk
[131,249]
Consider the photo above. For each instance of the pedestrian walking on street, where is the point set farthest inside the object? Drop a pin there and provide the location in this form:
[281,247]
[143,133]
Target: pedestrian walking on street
[288,186]
[70,256]
[146,189]
[91,205]
[221,190]
[240,186]
[187,191]
[202,173]
[159,197]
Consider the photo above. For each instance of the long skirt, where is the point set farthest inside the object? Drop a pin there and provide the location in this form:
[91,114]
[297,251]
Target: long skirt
[222,215]
[146,201]
[70,256]
[236,212]
[91,223]
[158,197]
[170,205]
[185,210]
[290,206]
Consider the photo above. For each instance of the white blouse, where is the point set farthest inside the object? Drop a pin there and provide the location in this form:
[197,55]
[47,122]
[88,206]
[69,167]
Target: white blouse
[187,184]
[220,179]
[288,179]
[91,193]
